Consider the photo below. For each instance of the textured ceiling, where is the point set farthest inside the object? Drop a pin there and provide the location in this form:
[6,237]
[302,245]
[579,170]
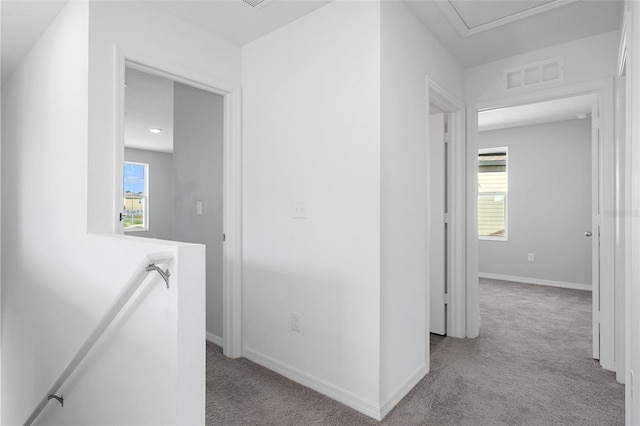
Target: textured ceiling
[537,113]
[237,21]
[148,104]
[573,21]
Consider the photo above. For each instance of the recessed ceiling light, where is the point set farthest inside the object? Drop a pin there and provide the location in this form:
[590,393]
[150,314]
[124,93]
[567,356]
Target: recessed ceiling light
[154,130]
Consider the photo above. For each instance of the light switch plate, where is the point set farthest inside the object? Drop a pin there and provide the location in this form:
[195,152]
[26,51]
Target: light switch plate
[299,210]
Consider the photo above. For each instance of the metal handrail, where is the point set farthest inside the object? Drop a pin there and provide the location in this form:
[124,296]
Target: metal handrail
[137,278]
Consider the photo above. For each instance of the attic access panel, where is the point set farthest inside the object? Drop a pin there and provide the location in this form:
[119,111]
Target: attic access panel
[472,17]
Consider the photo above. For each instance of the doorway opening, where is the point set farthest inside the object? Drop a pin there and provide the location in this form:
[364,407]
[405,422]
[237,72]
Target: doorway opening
[602,203]
[181,141]
[537,213]
[445,278]
[173,171]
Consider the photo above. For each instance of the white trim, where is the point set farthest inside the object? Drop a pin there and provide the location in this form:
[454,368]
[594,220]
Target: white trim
[403,390]
[622,48]
[232,173]
[603,88]
[461,27]
[216,340]
[536,281]
[348,398]
[232,225]
[456,311]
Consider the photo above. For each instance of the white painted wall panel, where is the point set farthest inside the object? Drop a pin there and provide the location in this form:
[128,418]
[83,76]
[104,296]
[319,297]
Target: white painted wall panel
[584,60]
[311,135]
[409,54]
[57,281]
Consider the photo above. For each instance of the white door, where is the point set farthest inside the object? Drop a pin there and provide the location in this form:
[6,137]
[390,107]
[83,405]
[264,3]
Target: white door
[594,232]
[437,202]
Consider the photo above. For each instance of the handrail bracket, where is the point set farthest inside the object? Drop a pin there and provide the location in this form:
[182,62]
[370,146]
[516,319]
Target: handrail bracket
[60,399]
[164,274]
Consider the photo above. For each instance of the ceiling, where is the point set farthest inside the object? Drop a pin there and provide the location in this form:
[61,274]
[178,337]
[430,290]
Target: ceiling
[148,105]
[22,24]
[474,31]
[236,20]
[511,33]
[536,113]
[496,29]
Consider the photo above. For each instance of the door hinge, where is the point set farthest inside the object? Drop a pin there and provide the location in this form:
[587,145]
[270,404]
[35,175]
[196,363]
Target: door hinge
[447,137]
[447,299]
[447,217]
[224,237]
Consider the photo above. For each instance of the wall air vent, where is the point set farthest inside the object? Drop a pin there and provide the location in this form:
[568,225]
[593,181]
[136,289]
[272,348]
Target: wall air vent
[255,3]
[543,72]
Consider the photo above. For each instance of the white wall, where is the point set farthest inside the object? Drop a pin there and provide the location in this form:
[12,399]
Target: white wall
[160,191]
[584,60]
[409,53]
[633,202]
[197,176]
[154,37]
[548,204]
[311,133]
[57,280]
[621,229]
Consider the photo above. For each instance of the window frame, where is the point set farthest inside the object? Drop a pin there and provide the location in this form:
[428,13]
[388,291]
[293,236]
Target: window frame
[144,228]
[505,194]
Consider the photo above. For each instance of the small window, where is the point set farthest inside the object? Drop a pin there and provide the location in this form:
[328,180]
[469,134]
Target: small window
[492,194]
[136,196]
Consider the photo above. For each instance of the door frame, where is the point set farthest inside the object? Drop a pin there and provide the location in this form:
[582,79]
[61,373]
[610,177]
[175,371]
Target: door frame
[456,253]
[232,174]
[603,89]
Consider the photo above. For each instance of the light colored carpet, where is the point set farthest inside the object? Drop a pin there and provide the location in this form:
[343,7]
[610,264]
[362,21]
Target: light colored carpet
[531,366]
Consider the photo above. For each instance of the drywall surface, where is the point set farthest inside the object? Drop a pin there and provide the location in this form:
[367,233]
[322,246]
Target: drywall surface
[197,177]
[160,191]
[57,281]
[153,37]
[633,202]
[311,139]
[548,203]
[621,219]
[409,53]
[586,59]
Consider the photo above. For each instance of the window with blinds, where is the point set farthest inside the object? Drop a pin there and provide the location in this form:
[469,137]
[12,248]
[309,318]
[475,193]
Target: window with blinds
[492,194]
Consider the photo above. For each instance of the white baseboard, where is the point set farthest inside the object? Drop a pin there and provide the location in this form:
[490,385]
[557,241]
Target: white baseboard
[343,396]
[216,340]
[403,390]
[535,281]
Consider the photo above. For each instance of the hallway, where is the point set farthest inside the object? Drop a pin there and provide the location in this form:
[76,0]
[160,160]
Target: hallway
[531,365]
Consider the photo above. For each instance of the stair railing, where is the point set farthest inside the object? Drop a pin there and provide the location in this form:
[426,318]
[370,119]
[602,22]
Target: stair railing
[137,278]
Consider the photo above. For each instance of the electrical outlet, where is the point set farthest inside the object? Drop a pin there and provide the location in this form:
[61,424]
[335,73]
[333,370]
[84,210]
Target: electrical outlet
[299,210]
[530,257]
[295,321]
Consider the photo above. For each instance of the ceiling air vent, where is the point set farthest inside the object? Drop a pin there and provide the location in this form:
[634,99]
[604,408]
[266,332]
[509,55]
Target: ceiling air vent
[255,3]
[543,72]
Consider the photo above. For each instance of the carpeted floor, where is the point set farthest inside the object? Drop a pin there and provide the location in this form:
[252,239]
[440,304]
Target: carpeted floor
[531,366]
